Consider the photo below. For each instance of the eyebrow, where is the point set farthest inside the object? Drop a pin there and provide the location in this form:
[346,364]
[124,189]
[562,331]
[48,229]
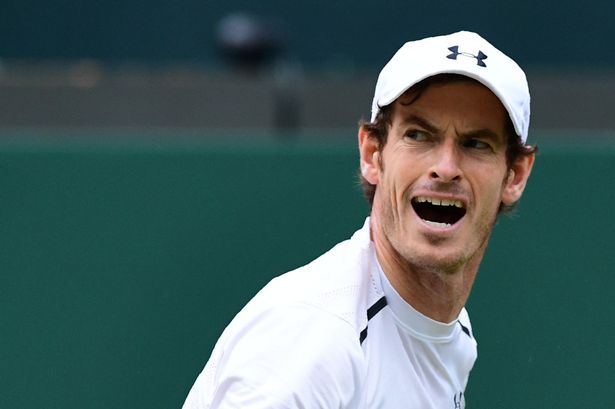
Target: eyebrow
[485,133]
[420,121]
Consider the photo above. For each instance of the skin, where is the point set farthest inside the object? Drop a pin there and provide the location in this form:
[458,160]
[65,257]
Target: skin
[449,143]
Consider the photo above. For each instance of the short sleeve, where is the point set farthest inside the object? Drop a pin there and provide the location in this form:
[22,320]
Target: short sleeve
[295,356]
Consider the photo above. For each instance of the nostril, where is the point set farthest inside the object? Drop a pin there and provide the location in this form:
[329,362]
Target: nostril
[446,166]
[445,176]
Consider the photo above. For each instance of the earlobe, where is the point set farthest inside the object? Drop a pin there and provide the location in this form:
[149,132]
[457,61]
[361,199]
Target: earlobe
[517,178]
[369,152]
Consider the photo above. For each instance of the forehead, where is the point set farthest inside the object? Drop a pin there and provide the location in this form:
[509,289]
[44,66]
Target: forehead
[440,80]
[453,97]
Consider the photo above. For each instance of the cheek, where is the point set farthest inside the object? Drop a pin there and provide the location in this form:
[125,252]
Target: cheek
[392,186]
[487,184]
[400,191]
[494,193]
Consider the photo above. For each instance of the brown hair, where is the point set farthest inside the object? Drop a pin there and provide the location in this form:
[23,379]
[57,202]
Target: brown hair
[379,130]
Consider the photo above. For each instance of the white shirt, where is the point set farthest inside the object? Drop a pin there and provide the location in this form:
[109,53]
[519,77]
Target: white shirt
[305,341]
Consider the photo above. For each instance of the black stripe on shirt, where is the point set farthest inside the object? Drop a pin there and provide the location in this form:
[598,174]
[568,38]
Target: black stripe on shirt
[465,329]
[371,312]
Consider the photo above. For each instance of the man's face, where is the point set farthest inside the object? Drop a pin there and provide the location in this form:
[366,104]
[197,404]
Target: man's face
[441,176]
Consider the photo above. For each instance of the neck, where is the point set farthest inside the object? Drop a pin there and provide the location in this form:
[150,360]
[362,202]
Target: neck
[439,293]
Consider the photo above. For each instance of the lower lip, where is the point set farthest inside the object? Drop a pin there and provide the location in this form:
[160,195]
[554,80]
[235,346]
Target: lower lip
[441,226]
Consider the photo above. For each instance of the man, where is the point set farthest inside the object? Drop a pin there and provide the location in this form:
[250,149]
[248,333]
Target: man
[379,320]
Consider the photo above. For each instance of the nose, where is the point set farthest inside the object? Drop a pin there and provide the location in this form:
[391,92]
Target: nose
[446,165]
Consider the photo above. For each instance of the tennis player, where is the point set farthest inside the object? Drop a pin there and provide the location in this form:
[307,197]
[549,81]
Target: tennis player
[379,320]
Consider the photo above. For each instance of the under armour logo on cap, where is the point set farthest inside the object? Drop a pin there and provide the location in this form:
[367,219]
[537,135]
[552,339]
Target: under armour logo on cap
[420,59]
[479,58]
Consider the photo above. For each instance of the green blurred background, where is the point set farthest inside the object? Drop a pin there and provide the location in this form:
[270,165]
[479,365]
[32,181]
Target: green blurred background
[154,176]
[123,260]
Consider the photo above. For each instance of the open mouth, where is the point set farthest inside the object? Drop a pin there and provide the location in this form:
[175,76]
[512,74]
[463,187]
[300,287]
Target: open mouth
[438,212]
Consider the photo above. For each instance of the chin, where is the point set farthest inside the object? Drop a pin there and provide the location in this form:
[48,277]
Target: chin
[443,260]
[447,264]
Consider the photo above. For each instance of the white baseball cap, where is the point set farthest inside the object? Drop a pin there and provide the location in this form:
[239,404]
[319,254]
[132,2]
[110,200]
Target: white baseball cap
[463,53]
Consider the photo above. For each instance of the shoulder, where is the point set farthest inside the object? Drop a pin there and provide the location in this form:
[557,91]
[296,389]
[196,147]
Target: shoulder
[287,356]
[315,307]
[296,343]
[338,282]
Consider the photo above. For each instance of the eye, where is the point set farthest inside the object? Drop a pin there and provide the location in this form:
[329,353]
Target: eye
[477,144]
[416,135]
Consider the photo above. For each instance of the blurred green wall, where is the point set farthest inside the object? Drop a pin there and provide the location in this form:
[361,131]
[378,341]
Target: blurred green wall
[123,257]
[335,34]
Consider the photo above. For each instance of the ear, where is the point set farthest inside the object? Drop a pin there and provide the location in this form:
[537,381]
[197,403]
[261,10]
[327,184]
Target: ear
[518,175]
[370,156]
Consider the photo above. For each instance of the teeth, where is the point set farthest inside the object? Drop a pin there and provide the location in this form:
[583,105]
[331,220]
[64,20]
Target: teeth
[436,224]
[439,202]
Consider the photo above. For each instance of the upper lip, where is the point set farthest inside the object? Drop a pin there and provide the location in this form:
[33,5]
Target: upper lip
[441,200]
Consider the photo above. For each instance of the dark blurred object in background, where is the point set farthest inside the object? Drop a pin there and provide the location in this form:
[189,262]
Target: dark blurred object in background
[249,42]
